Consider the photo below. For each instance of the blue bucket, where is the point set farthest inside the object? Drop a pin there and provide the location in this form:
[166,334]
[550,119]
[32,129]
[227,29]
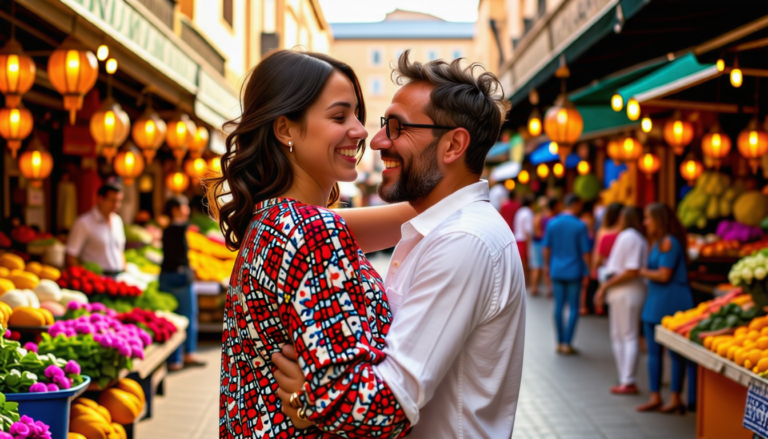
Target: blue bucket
[52,408]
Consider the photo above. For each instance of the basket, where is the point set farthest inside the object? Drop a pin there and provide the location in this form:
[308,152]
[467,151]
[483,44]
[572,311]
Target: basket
[52,408]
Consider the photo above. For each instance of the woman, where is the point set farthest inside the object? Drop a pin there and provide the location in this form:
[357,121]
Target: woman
[604,238]
[668,292]
[176,277]
[626,294]
[300,277]
[545,212]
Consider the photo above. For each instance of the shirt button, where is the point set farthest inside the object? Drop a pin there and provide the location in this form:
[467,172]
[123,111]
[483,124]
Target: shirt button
[396,264]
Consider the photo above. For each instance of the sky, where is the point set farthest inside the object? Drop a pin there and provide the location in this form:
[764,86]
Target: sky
[341,11]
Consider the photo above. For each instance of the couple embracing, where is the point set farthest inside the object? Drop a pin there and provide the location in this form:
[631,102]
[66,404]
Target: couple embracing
[315,343]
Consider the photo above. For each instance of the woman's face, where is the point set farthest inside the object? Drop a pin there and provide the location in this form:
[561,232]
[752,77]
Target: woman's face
[649,223]
[326,150]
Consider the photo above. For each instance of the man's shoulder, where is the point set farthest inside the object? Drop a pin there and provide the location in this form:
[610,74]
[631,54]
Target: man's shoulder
[479,221]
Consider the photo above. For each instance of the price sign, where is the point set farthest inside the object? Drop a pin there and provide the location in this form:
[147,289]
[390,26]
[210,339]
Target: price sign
[756,410]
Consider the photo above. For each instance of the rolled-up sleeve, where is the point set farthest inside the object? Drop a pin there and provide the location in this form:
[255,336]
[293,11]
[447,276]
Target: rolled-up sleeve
[451,295]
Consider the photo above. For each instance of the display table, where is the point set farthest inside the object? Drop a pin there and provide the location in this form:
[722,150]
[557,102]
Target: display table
[722,388]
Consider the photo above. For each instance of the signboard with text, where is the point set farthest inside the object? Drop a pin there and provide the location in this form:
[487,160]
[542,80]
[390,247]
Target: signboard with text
[756,409]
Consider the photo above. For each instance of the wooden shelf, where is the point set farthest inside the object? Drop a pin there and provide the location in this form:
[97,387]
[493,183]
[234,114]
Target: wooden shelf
[157,354]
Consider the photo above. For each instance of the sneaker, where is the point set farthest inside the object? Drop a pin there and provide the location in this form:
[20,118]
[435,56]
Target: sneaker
[625,389]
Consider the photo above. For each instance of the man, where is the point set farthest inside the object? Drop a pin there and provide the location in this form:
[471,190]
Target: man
[523,229]
[98,235]
[509,209]
[566,258]
[455,282]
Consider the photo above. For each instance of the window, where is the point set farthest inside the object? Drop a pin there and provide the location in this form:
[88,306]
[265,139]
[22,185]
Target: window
[457,53]
[398,53]
[376,86]
[432,55]
[376,57]
[227,11]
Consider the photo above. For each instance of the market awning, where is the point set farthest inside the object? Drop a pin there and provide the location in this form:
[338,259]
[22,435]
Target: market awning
[543,154]
[601,91]
[680,74]
[506,171]
[511,149]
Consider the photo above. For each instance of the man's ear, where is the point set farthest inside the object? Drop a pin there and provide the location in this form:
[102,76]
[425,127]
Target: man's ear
[458,143]
[284,130]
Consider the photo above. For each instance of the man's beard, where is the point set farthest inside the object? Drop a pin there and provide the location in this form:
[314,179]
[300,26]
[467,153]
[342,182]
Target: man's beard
[417,179]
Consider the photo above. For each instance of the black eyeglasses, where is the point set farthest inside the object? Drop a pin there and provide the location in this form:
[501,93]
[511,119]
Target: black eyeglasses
[394,126]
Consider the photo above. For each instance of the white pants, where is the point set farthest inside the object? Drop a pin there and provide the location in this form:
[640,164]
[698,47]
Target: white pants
[626,306]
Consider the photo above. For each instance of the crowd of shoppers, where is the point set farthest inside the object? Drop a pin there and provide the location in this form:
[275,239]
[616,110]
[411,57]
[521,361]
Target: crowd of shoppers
[629,260]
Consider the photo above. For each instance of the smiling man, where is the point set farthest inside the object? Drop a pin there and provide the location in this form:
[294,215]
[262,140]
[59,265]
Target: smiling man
[455,282]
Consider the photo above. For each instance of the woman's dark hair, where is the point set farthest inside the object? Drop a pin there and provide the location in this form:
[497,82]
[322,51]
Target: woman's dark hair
[612,213]
[633,218]
[552,203]
[668,225]
[255,166]
[174,203]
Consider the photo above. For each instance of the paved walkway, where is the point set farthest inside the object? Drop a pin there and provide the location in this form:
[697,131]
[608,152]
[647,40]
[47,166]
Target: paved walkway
[561,397]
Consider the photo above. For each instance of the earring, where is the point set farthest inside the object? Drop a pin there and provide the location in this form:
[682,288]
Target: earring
[290,144]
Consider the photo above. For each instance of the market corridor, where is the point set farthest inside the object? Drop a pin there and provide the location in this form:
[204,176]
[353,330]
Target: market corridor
[561,397]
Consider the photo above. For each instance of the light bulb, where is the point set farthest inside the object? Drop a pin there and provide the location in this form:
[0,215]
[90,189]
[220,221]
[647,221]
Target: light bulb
[737,78]
[617,102]
[646,124]
[102,52]
[633,109]
[111,66]
[720,65]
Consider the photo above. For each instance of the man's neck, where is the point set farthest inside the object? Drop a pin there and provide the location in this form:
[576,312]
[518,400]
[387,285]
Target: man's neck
[106,214]
[446,187]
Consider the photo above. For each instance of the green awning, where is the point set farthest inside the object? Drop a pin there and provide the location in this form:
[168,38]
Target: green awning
[681,73]
[601,91]
[601,120]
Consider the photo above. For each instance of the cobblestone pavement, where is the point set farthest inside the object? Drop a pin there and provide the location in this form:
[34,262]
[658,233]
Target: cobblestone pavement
[561,397]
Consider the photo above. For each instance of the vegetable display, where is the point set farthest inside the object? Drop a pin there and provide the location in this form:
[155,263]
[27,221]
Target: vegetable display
[80,279]
[160,328]
[89,420]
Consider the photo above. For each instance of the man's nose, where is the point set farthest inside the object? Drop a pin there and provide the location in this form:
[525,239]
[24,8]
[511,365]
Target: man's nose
[380,140]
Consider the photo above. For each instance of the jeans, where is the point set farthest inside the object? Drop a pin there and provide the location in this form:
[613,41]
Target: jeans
[179,285]
[679,366]
[566,292]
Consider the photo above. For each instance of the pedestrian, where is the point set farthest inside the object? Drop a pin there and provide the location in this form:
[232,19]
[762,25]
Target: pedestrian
[98,236]
[509,209]
[566,261]
[625,290]
[588,288]
[523,229]
[668,293]
[176,277]
[604,239]
[546,210]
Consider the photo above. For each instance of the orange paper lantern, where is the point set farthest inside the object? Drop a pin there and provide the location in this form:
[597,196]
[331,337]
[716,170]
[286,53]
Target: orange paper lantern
[180,134]
[691,169]
[648,164]
[542,171]
[614,151]
[149,133]
[129,163]
[563,125]
[716,145]
[196,168]
[678,133]
[631,149]
[753,143]
[110,126]
[73,69]
[17,73]
[36,163]
[524,177]
[15,126]
[177,181]
[199,142]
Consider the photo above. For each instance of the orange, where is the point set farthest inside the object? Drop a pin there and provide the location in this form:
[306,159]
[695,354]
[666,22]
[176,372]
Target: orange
[741,330]
[708,342]
[748,365]
[753,334]
[755,355]
[732,351]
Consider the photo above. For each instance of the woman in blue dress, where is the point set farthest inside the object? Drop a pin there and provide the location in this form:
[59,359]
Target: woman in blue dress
[668,292]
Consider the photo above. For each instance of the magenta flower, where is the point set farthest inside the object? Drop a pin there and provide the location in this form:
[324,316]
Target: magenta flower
[112,313]
[62,382]
[38,388]
[19,430]
[98,307]
[4,435]
[30,346]
[73,306]
[137,353]
[7,333]
[72,367]
[52,387]
[53,371]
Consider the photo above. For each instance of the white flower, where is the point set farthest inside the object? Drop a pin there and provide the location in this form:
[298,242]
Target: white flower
[747,275]
[734,278]
[760,273]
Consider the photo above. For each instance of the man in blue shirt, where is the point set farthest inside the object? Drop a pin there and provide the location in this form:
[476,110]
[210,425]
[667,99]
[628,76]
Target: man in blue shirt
[566,258]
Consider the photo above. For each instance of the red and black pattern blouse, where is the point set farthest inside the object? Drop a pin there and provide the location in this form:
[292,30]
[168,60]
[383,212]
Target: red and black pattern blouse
[304,280]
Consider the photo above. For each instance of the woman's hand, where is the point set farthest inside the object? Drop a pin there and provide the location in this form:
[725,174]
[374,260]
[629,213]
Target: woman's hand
[290,378]
[600,299]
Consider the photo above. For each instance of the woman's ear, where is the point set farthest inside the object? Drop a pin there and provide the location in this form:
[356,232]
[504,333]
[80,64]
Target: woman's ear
[283,129]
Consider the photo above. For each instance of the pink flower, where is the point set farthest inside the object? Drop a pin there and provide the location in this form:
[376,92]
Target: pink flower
[62,382]
[73,306]
[53,371]
[19,430]
[30,347]
[72,367]
[38,388]
[52,387]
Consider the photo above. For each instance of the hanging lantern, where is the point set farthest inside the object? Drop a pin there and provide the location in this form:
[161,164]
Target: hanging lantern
[199,142]
[15,126]
[583,167]
[563,125]
[720,65]
[678,133]
[648,164]
[524,177]
[614,151]
[646,124]
[129,164]
[631,149]
[559,170]
[196,168]
[177,181]
[737,77]
[534,123]
[690,169]
[633,109]
[542,171]
[214,165]
[510,185]
[617,102]
[17,73]
[110,126]
[716,145]
[36,163]
[149,133]
[753,143]
[102,52]
[73,69]
[180,134]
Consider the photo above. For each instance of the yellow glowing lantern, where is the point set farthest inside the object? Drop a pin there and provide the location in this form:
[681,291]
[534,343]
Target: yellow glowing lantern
[646,124]
[534,123]
[563,125]
[753,143]
[111,66]
[583,167]
[716,145]
[180,134]
[102,52]
[720,65]
[15,126]
[617,102]
[554,148]
[542,171]
[691,169]
[631,149]
[36,163]
[149,133]
[72,69]
[177,181]
[524,177]
[559,170]
[678,133]
[214,165]
[17,73]
[196,167]
[737,77]
[614,151]
[129,163]
[510,185]
[648,164]
[199,142]
[110,126]
[633,109]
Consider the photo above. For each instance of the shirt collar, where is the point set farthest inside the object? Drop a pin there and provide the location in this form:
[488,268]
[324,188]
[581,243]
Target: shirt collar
[432,217]
[98,215]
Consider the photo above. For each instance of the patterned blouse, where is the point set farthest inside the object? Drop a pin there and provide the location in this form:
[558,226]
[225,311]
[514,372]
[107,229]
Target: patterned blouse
[301,278]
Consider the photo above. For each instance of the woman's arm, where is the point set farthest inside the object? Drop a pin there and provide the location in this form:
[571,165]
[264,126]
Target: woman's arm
[662,275]
[377,228]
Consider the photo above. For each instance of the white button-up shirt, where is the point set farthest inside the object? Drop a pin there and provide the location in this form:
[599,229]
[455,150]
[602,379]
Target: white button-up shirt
[94,239]
[457,292]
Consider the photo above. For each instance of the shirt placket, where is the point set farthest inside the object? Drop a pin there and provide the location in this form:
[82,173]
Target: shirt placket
[401,252]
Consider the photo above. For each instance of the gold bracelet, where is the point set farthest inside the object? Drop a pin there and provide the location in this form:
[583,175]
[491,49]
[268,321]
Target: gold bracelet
[294,400]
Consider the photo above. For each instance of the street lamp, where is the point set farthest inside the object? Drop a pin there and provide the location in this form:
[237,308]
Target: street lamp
[17,73]
[72,69]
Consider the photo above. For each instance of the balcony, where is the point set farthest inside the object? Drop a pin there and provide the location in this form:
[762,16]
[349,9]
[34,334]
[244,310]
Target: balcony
[162,9]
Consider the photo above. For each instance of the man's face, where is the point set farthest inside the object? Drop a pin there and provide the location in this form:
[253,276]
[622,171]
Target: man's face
[110,203]
[411,164]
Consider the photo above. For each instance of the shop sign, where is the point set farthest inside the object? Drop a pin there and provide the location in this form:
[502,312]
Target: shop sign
[137,33]
[756,410]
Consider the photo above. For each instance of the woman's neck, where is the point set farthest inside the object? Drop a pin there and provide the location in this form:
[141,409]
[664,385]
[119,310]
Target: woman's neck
[307,190]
